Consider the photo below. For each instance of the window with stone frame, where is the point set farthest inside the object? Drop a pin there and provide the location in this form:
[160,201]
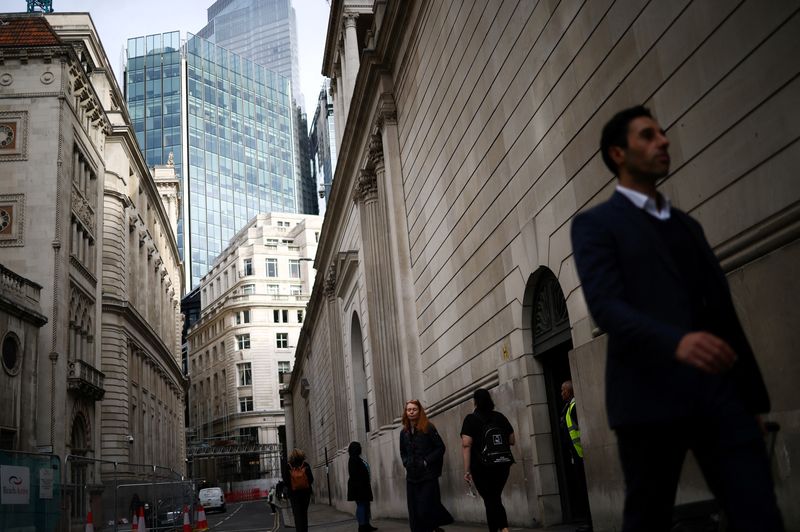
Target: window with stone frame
[272,267]
[245,370]
[248,267]
[282,340]
[242,341]
[284,366]
[246,404]
[294,268]
[248,289]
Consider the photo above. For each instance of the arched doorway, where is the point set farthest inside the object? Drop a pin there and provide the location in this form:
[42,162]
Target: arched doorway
[79,446]
[358,365]
[552,342]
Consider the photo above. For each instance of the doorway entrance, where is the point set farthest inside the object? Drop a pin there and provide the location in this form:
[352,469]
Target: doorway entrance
[552,342]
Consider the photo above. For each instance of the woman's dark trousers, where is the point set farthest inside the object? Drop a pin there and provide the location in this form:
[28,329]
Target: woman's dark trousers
[490,483]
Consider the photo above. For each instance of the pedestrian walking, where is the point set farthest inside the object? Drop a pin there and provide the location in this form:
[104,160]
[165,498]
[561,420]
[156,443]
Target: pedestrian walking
[486,440]
[680,372]
[300,481]
[271,500]
[359,488]
[422,452]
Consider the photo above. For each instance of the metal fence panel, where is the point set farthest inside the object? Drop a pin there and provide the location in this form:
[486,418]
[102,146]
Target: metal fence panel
[30,492]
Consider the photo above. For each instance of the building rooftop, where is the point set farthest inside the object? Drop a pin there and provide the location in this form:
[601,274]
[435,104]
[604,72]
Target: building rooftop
[26,31]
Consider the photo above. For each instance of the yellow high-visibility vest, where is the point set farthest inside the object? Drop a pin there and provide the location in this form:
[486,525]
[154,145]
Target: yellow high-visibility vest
[574,430]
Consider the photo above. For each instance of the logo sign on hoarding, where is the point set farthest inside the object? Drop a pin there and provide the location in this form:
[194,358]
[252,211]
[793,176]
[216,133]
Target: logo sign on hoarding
[15,485]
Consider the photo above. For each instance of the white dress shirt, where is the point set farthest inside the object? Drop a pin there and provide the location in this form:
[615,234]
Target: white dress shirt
[646,203]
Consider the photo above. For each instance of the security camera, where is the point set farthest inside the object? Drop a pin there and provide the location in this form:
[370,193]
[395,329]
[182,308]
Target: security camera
[130,439]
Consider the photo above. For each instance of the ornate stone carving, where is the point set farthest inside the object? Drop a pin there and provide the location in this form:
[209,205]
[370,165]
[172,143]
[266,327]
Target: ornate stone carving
[350,20]
[83,211]
[330,282]
[367,186]
[375,151]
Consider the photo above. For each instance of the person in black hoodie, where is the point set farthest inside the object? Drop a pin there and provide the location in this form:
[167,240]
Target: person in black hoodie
[422,452]
[358,487]
[300,481]
[489,478]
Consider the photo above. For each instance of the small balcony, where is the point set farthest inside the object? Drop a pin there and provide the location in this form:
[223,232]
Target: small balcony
[85,380]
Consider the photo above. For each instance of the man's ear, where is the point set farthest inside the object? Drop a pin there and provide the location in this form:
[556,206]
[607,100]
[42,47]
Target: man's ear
[617,154]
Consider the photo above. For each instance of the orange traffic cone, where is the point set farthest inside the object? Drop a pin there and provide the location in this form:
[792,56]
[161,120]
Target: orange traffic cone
[142,524]
[202,523]
[187,526]
[89,522]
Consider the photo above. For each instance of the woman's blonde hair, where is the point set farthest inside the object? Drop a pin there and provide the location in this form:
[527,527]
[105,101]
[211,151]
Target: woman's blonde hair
[422,421]
[297,457]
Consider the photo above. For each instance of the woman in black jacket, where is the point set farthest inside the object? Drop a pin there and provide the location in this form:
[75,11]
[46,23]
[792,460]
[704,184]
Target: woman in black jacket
[358,487]
[422,451]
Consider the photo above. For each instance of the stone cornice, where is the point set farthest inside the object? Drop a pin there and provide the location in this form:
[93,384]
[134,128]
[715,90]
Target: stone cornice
[374,63]
[24,313]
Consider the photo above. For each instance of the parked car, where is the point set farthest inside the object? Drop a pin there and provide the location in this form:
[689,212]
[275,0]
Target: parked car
[212,498]
[170,514]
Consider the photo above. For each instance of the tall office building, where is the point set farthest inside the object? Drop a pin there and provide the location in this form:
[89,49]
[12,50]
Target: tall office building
[322,141]
[228,123]
[264,31]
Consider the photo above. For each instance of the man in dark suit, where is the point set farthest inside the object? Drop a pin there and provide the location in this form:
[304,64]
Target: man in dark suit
[680,372]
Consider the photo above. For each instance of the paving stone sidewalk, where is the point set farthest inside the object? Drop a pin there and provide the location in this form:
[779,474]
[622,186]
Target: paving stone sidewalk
[323,517]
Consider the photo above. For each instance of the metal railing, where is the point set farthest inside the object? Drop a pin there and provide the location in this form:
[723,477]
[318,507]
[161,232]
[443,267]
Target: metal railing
[117,491]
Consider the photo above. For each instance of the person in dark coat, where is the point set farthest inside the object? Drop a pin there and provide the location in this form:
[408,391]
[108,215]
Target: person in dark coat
[358,486]
[680,373]
[300,488]
[489,479]
[422,452]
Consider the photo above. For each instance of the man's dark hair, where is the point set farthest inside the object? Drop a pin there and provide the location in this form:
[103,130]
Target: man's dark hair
[483,401]
[615,132]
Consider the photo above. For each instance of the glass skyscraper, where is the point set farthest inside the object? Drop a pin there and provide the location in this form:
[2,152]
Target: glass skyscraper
[228,122]
[264,31]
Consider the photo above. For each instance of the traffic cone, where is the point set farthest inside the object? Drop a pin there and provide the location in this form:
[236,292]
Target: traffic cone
[142,524]
[134,522]
[89,522]
[202,523]
[187,526]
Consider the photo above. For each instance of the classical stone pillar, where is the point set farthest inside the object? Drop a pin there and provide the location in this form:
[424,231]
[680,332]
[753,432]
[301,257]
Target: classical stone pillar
[385,156]
[351,59]
[381,302]
[337,360]
[338,112]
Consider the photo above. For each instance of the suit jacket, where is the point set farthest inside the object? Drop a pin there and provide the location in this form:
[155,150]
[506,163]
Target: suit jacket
[637,295]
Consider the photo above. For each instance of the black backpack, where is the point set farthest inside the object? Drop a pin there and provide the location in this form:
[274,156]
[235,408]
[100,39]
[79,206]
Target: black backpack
[496,448]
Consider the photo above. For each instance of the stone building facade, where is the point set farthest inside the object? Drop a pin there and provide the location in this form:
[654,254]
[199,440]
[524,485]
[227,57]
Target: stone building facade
[98,240]
[20,319]
[253,303]
[468,138]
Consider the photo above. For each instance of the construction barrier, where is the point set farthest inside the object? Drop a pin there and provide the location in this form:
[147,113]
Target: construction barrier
[34,488]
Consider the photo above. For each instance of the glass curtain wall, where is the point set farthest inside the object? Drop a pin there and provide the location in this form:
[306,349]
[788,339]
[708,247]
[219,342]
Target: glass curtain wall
[240,147]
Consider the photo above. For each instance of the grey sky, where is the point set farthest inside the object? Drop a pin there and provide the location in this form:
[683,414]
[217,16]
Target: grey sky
[117,20]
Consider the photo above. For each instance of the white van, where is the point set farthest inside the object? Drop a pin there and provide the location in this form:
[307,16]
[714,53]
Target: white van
[212,498]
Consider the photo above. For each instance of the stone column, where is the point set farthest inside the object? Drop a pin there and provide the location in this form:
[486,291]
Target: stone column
[338,113]
[351,59]
[337,361]
[381,303]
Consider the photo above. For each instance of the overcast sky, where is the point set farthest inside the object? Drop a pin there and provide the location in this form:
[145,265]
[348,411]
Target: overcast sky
[118,20]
